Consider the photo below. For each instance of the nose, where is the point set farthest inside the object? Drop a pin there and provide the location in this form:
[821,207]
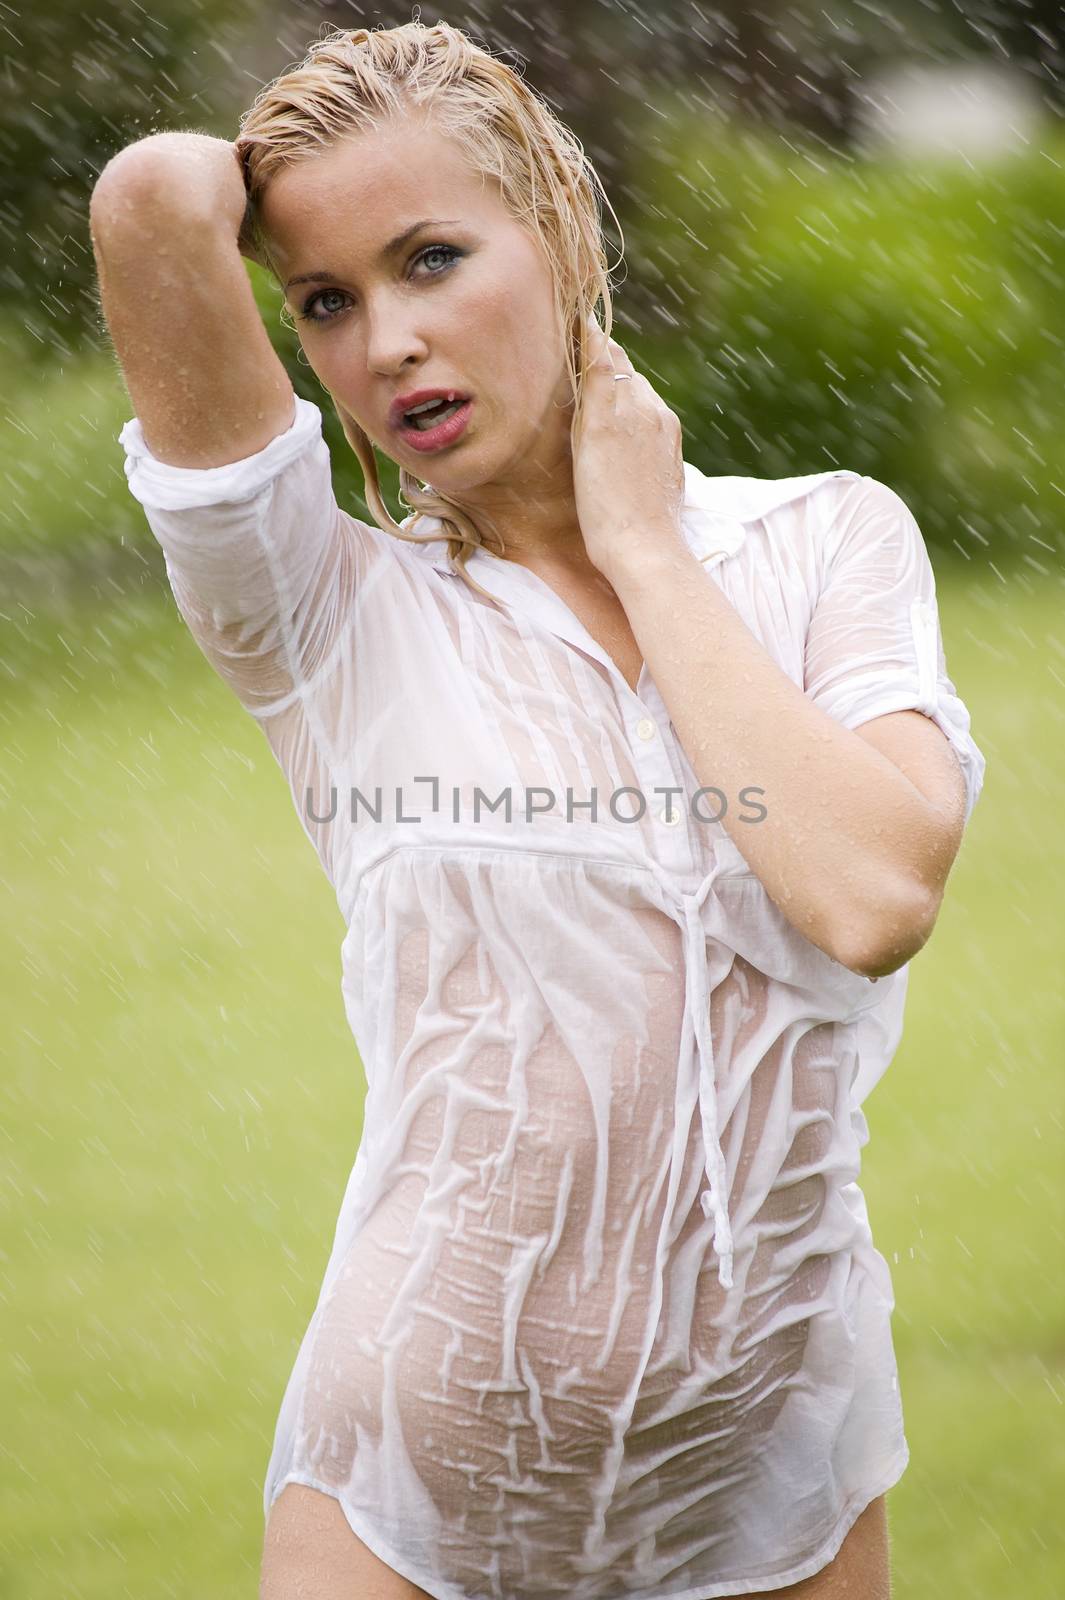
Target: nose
[392,340]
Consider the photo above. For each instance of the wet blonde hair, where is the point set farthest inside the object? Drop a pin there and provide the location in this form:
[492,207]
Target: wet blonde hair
[350,81]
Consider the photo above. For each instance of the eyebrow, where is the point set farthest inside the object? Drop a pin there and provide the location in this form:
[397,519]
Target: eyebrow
[390,249]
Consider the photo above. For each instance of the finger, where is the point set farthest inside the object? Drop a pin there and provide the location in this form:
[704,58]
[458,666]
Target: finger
[623,374]
[620,358]
[599,370]
[598,346]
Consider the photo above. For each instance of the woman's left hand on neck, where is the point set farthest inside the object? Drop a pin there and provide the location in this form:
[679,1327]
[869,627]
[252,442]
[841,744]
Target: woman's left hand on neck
[628,467]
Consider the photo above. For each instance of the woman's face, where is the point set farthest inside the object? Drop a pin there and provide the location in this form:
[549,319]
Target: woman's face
[465,302]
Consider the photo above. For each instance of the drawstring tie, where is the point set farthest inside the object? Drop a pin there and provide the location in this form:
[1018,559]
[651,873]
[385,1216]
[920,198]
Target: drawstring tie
[714,1199]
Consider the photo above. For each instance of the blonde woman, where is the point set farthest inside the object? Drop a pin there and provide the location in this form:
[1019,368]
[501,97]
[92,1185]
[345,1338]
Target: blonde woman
[638,789]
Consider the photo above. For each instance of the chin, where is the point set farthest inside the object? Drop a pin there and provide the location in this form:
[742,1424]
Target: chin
[464,469]
[452,475]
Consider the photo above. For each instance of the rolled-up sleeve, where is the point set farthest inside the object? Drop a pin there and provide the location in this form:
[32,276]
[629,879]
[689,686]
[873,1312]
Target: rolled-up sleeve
[262,563]
[874,643]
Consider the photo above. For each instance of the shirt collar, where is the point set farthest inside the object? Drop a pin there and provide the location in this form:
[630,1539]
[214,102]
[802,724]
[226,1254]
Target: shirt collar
[716,514]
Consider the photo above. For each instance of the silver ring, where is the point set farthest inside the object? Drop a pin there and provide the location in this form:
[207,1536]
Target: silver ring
[619,377]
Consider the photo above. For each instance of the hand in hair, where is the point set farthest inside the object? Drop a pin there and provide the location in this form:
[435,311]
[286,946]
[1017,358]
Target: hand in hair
[247,242]
[628,464]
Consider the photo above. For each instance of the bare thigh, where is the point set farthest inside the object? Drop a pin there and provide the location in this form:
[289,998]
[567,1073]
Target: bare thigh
[860,1569]
[310,1553]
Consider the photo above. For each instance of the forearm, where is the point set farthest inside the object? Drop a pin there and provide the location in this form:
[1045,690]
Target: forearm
[178,302]
[833,851]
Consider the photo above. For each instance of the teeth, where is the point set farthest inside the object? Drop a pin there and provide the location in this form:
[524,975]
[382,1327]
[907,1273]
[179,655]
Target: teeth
[423,423]
[426,405]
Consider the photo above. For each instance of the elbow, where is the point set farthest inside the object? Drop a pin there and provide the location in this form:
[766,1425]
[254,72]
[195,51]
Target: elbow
[881,937]
[137,179]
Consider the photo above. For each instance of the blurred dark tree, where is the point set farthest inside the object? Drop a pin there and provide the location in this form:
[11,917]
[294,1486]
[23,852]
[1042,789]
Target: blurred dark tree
[79,85]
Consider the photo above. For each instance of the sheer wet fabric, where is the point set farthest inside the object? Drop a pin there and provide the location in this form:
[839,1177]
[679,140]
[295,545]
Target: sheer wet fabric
[603,1314]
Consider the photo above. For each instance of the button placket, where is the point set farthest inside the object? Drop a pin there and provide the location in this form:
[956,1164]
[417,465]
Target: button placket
[649,751]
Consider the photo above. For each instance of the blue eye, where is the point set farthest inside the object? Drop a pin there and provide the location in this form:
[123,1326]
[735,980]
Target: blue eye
[439,250]
[307,315]
[450,254]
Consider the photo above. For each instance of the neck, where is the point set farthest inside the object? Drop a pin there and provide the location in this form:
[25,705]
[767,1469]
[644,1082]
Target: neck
[542,528]
[534,510]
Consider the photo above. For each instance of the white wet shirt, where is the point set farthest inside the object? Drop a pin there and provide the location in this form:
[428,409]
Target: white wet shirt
[603,1314]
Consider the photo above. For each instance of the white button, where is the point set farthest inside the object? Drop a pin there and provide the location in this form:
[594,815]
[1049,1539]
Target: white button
[670,818]
[646,728]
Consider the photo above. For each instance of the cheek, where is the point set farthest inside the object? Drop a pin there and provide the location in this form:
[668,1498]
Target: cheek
[341,368]
[512,338]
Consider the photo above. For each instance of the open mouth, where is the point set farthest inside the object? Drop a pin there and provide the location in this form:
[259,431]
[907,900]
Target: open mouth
[436,423]
[431,414]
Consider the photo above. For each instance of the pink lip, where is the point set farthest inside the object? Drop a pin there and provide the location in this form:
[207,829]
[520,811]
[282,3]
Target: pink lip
[444,433]
[418,397]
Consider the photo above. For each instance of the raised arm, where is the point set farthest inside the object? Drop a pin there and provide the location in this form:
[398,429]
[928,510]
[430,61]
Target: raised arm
[230,466]
[166,216]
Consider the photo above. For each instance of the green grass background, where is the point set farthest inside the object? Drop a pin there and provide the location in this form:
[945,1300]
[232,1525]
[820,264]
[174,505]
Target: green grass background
[182,1105]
